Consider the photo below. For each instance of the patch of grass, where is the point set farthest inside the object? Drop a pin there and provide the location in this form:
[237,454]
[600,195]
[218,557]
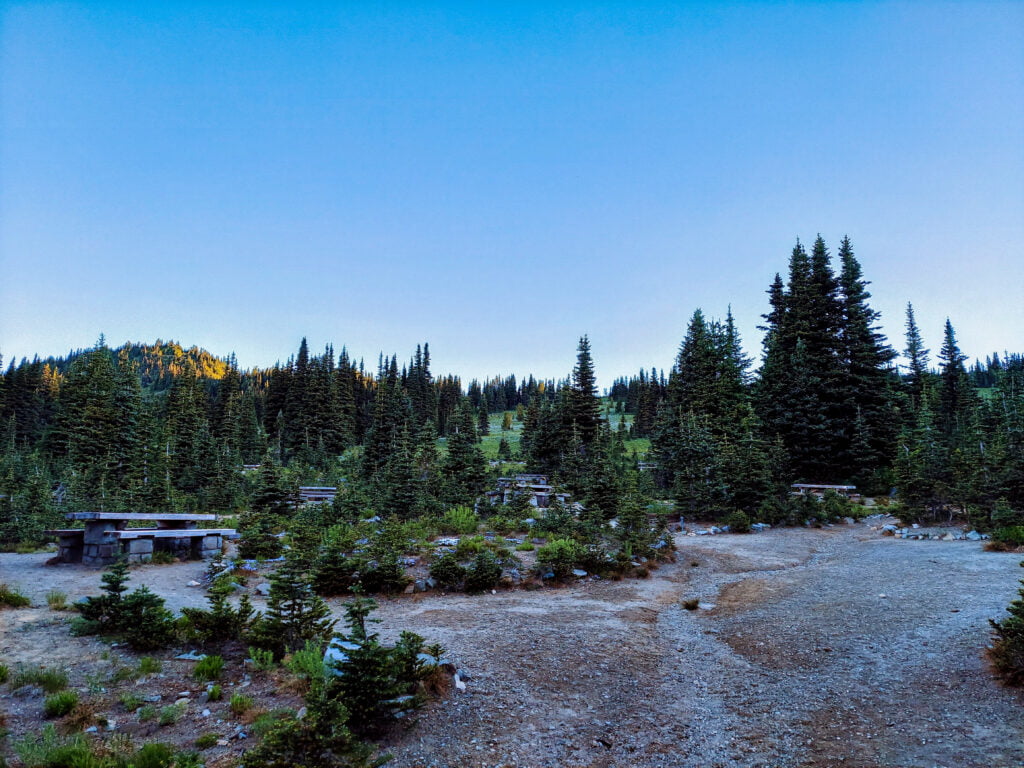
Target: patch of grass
[57,600]
[208,669]
[215,693]
[206,741]
[50,680]
[163,557]
[240,703]
[130,701]
[526,546]
[147,713]
[171,714]
[59,704]
[12,598]
[5,672]
[149,665]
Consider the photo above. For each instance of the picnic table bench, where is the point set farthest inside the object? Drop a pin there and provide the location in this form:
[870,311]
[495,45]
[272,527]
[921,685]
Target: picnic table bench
[106,536]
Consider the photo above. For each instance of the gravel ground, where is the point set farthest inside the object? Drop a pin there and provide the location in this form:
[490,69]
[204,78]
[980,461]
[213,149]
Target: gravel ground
[833,647]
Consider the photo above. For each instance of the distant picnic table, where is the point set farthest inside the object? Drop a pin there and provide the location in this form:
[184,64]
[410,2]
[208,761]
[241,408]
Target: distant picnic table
[106,536]
[816,489]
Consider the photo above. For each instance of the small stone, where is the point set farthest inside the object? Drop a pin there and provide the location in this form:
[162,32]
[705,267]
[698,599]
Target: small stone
[579,573]
[222,742]
[182,701]
[152,699]
[301,713]
[263,588]
[205,713]
[409,589]
[194,583]
[91,729]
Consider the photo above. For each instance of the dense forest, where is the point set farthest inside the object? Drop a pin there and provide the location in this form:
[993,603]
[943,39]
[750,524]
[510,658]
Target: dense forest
[162,428]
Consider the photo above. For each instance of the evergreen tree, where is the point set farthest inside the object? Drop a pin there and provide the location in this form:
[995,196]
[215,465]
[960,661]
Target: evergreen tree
[584,408]
[295,613]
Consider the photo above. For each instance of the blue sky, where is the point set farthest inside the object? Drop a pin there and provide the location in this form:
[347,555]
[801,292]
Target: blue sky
[498,182]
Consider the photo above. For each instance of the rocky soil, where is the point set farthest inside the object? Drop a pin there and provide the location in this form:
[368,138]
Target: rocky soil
[831,647]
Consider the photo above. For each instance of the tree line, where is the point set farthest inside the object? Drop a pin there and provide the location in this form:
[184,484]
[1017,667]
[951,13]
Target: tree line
[161,428]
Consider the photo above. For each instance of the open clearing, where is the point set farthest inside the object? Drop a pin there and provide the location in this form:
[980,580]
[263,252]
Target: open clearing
[832,647]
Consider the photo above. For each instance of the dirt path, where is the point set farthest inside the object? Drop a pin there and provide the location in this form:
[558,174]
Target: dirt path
[830,647]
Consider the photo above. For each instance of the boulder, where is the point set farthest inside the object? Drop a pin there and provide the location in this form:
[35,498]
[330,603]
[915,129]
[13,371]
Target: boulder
[263,588]
[974,536]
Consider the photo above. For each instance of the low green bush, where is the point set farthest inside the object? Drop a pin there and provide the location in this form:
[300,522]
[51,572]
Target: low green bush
[12,598]
[171,714]
[215,693]
[208,669]
[483,573]
[447,571]
[308,662]
[460,520]
[560,556]
[148,665]
[57,600]
[5,672]
[146,713]
[60,703]
[738,522]
[262,660]
[206,740]
[240,703]
[1010,536]
[154,755]
[130,701]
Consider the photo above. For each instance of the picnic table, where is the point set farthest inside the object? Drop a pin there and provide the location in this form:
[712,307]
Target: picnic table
[106,536]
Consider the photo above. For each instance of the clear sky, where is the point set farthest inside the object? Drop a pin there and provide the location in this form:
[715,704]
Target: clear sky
[499,181]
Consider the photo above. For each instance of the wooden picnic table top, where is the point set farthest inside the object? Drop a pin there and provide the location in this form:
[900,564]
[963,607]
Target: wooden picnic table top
[136,516]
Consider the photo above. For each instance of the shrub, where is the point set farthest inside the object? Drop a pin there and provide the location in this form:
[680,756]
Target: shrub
[206,741]
[240,703]
[470,547]
[208,668]
[12,598]
[1010,537]
[154,755]
[47,748]
[560,555]
[57,600]
[526,546]
[5,672]
[215,693]
[147,713]
[691,604]
[484,573]
[447,571]
[130,701]
[295,613]
[262,660]
[1007,650]
[59,704]
[308,662]
[171,714]
[460,520]
[149,665]
[221,622]
[738,522]
[145,623]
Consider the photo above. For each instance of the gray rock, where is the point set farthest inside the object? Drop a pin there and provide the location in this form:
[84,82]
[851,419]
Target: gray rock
[974,536]
[191,656]
[263,588]
[419,585]
[579,573]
